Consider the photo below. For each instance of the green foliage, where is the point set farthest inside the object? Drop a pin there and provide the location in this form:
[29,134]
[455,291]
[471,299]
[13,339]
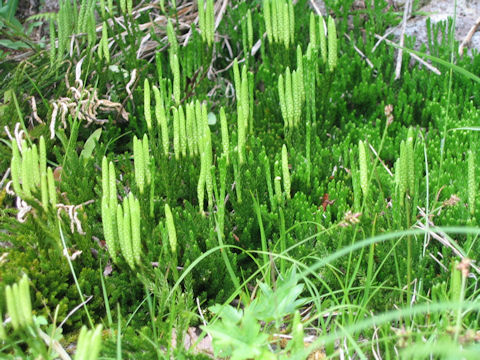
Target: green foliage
[206,20]
[19,306]
[239,334]
[28,333]
[290,156]
[15,35]
[279,21]
[89,342]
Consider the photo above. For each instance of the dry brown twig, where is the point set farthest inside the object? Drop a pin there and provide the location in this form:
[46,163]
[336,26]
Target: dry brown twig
[54,344]
[469,36]
[445,240]
[381,161]
[315,6]
[72,212]
[82,104]
[186,15]
[398,67]
[382,38]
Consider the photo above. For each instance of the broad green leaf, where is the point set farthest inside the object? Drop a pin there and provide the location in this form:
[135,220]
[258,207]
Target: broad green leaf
[90,144]
[212,119]
[14,45]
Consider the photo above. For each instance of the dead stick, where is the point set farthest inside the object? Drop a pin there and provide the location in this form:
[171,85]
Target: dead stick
[398,68]
[469,36]
[317,9]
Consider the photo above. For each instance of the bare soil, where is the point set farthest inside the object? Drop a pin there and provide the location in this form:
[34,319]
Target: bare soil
[467,15]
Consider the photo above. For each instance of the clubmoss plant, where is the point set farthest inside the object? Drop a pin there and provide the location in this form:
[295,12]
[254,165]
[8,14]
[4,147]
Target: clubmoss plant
[289,98]
[128,228]
[87,7]
[129,5]
[172,38]
[66,18]
[198,131]
[191,129]
[176,133]
[220,192]
[401,172]
[52,192]
[362,157]
[141,157]
[103,49]
[268,178]
[19,305]
[201,17]
[16,168]
[249,29]
[238,179]
[324,193]
[225,137]
[357,190]
[283,101]
[405,168]
[206,21]
[102,8]
[206,160]
[44,189]
[199,126]
[332,44]
[53,36]
[286,172]
[172,234]
[210,23]
[125,245]
[267,17]
[27,170]
[30,174]
[410,161]
[109,208]
[277,182]
[300,86]
[182,131]
[91,30]
[309,88]
[125,231]
[291,94]
[247,35]
[313,31]
[89,343]
[251,82]
[472,185]
[109,232]
[146,104]
[323,39]
[243,108]
[161,116]
[134,205]
[279,21]
[175,66]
